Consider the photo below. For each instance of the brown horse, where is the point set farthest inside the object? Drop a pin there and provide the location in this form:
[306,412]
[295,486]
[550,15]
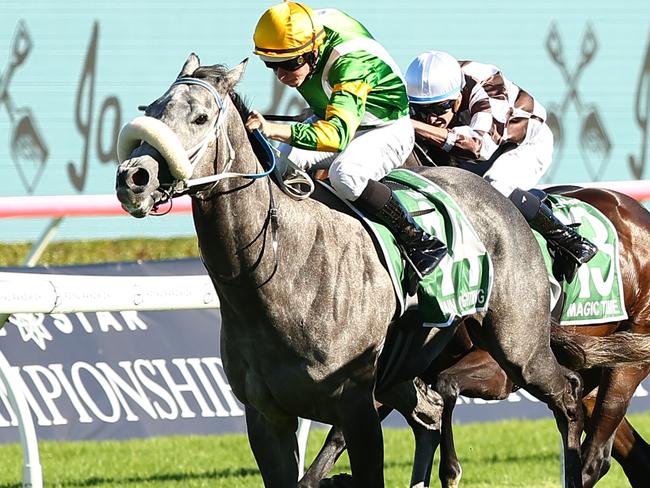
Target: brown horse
[467,369]
[478,375]
[616,385]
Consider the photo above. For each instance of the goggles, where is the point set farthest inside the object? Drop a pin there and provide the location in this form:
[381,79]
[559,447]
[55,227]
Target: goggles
[292,64]
[436,109]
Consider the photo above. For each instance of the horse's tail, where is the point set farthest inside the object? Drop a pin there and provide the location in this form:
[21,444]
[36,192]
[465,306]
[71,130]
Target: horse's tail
[578,351]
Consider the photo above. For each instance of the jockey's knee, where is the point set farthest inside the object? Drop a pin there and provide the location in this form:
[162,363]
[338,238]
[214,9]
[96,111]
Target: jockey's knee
[504,187]
[527,203]
[349,186]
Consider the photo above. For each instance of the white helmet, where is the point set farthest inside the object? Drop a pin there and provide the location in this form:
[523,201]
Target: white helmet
[432,77]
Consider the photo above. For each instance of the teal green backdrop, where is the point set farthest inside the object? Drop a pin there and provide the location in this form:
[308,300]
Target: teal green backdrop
[72,72]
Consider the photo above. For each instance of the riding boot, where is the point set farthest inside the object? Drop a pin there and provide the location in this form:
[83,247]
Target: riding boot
[566,238]
[423,250]
[574,249]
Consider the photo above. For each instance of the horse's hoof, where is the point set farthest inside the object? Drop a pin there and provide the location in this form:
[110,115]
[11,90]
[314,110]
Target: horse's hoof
[453,483]
[338,481]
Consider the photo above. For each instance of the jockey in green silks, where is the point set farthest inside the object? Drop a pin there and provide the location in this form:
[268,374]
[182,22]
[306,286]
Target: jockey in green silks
[360,129]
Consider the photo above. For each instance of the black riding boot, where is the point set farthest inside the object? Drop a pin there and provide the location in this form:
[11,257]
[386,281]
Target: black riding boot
[579,248]
[424,250]
[541,218]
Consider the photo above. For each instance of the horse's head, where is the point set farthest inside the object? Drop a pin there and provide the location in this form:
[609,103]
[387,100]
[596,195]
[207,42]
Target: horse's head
[175,140]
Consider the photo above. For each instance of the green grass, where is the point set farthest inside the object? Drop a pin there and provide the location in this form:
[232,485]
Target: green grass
[500,454]
[84,252]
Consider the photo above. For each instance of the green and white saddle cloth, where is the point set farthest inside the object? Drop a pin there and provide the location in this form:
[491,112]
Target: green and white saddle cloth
[595,295]
[461,284]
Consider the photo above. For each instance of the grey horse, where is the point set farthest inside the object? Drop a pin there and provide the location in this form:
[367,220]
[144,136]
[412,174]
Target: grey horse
[306,303]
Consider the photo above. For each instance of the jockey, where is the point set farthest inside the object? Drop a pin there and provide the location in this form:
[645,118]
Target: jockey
[360,128]
[490,126]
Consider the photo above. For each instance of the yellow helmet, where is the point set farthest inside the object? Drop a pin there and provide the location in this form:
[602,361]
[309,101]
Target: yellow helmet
[286,31]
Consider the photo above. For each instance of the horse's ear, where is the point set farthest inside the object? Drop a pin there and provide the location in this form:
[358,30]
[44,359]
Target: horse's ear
[191,65]
[235,75]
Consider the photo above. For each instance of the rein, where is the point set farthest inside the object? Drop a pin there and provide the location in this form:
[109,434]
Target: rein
[195,154]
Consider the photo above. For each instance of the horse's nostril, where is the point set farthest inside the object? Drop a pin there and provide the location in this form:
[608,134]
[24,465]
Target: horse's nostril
[140,177]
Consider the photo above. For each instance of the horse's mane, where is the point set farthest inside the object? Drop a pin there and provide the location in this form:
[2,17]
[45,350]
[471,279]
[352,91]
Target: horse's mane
[214,74]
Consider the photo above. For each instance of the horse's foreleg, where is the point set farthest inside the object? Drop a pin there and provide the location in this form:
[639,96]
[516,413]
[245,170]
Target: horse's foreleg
[333,447]
[476,375]
[614,394]
[426,442]
[422,408]
[419,405]
[361,428]
[275,448]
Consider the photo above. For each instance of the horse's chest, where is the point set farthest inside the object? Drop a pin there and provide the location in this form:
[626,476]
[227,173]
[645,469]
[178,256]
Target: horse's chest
[267,375]
[274,390]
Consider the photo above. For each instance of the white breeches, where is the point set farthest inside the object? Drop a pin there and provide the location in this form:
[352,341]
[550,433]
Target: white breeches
[370,155]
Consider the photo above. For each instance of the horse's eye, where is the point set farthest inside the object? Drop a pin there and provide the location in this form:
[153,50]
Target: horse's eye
[201,119]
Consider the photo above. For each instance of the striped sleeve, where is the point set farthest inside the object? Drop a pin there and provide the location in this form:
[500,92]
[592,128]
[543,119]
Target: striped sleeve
[352,78]
[481,138]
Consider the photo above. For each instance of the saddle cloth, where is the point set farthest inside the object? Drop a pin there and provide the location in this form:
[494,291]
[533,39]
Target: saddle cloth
[595,294]
[462,282]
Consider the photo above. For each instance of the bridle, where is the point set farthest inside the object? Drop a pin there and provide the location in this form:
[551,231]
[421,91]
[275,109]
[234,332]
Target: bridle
[182,163]
[192,186]
[195,153]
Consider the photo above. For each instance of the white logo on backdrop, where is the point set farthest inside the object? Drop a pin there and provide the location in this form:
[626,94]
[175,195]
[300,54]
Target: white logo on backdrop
[31,327]
[34,326]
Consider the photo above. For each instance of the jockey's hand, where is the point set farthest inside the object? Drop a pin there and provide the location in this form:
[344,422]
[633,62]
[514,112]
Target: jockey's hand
[257,121]
[434,135]
[279,132]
